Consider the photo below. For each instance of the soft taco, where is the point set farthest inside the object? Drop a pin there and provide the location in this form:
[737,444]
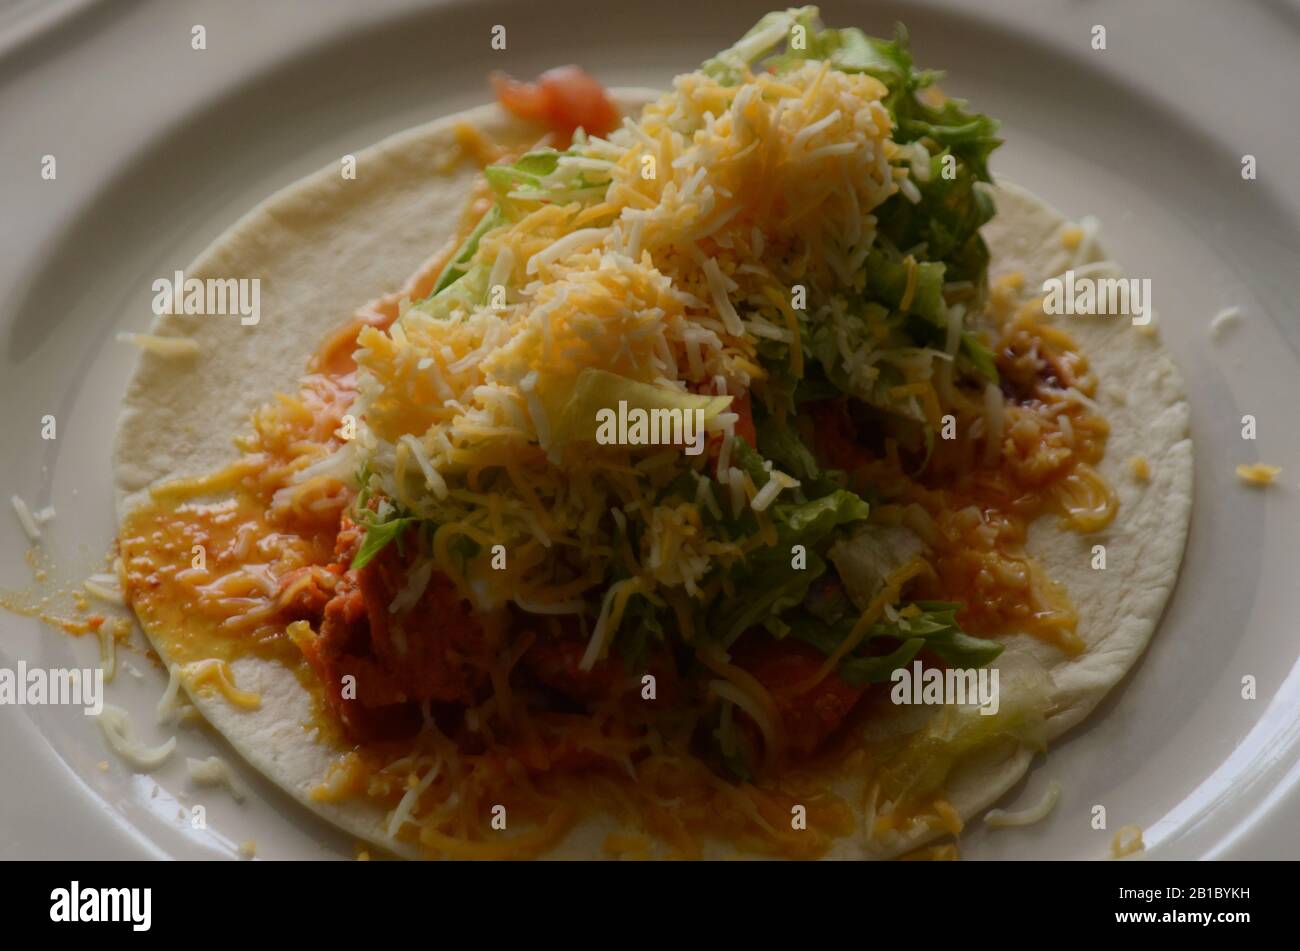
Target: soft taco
[623,523]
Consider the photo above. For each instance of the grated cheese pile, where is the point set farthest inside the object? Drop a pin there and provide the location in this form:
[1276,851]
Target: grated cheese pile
[637,257]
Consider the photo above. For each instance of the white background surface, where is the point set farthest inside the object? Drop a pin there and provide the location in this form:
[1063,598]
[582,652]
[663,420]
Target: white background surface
[160,147]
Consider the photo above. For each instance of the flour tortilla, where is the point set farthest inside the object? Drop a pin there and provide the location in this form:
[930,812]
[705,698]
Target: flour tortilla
[326,246]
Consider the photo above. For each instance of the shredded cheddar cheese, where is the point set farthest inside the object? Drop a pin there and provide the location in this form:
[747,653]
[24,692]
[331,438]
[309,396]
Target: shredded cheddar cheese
[162,346]
[218,674]
[1127,842]
[1258,473]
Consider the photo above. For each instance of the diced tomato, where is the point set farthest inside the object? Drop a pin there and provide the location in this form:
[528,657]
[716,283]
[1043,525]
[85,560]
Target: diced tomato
[810,718]
[564,99]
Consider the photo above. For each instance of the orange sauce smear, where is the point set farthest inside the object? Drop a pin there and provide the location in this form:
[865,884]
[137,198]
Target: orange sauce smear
[977,513]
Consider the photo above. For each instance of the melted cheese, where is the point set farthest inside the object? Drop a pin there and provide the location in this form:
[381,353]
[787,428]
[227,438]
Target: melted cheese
[217,673]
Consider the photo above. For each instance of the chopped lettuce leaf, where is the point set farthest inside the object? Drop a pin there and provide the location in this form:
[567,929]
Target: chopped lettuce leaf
[534,177]
[978,356]
[925,625]
[767,584]
[459,265]
[811,523]
[764,587]
[378,536]
[779,442]
[773,30]
[887,272]
[527,172]
[878,668]
[468,290]
[599,390]
[867,558]
[937,626]
[944,225]
[642,628]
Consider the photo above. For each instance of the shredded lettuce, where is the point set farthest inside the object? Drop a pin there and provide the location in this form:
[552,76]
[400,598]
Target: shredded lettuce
[780,443]
[539,176]
[458,266]
[889,277]
[811,523]
[596,390]
[767,584]
[773,30]
[527,172]
[642,628]
[379,534]
[940,231]
[932,626]
[468,289]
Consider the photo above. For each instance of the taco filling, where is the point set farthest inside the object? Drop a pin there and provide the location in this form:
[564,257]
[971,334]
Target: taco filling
[632,502]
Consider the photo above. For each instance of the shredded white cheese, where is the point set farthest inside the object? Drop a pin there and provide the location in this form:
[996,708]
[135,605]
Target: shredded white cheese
[107,652]
[771,489]
[25,518]
[115,724]
[402,814]
[171,705]
[1223,320]
[163,346]
[580,240]
[105,587]
[1001,818]
[214,771]
[733,694]
[417,580]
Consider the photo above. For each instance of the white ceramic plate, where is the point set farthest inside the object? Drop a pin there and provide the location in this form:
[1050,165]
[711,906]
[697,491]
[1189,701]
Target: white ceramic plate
[160,147]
